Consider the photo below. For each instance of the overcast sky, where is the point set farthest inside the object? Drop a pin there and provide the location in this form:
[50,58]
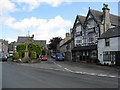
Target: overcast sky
[43,18]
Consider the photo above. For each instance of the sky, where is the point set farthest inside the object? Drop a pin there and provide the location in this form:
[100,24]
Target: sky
[44,18]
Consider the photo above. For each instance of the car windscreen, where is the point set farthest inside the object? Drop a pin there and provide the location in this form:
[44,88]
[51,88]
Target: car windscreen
[60,55]
[44,56]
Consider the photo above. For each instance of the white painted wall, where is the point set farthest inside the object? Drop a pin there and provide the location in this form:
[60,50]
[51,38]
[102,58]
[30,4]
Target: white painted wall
[114,46]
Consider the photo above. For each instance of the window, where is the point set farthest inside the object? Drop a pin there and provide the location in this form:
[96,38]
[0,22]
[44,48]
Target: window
[90,24]
[79,33]
[78,28]
[109,56]
[107,42]
[91,37]
[78,41]
[106,56]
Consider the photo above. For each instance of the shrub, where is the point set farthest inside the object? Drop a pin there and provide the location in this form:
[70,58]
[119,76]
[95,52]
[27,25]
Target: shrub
[21,53]
[15,55]
[33,55]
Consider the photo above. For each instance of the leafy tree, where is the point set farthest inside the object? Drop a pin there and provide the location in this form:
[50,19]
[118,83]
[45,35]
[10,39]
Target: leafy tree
[33,55]
[44,51]
[32,47]
[54,42]
[16,55]
[20,47]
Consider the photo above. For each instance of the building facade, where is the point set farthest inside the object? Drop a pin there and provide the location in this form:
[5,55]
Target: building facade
[12,46]
[109,47]
[3,46]
[66,47]
[87,30]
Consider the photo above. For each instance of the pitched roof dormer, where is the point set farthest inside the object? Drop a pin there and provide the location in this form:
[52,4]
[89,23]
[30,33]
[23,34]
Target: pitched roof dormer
[79,20]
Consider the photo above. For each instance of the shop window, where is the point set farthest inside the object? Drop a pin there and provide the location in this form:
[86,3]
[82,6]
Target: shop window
[108,56]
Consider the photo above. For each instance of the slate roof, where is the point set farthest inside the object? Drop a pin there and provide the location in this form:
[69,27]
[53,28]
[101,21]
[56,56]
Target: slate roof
[81,18]
[23,39]
[40,42]
[114,19]
[113,32]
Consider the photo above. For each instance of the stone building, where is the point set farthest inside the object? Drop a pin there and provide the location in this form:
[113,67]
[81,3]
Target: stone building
[3,46]
[66,47]
[12,46]
[87,30]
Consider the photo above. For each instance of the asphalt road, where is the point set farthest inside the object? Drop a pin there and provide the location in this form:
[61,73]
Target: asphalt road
[20,76]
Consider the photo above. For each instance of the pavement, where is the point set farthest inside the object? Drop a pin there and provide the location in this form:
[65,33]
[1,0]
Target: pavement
[75,67]
[33,76]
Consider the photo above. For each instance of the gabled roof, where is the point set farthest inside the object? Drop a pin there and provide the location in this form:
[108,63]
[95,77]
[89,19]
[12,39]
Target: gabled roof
[23,39]
[114,19]
[81,18]
[113,32]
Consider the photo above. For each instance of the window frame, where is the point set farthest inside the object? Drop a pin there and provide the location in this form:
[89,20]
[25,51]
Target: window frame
[107,42]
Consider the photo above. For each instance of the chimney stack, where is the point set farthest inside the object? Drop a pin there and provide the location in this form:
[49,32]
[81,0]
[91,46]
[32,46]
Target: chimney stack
[106,18]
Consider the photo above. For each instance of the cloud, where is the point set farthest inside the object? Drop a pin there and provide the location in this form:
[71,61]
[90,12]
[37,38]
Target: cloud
[42,28]
[6,6]
[29,5]
[11,39]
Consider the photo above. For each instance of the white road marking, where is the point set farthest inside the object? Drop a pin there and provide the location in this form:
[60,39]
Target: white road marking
[59,65]
[113,76]
[78,72]
[102,75]
[68,70]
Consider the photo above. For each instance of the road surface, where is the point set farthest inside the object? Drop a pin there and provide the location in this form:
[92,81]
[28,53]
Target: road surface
[21,76]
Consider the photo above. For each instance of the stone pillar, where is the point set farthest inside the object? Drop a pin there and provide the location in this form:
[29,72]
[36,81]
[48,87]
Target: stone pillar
[26,55]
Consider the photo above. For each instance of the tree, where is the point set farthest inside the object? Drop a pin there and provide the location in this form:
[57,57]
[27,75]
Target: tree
[16,55]
[44,51]
[32,47]
[21,48]
[33,55]
[54,42]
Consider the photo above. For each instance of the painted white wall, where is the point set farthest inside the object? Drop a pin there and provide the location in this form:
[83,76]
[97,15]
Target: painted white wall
[114,46]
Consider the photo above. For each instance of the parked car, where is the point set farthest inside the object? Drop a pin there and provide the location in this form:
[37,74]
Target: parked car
[3,57]
[59,57]
[43,58]
[53,56]
[0,57]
